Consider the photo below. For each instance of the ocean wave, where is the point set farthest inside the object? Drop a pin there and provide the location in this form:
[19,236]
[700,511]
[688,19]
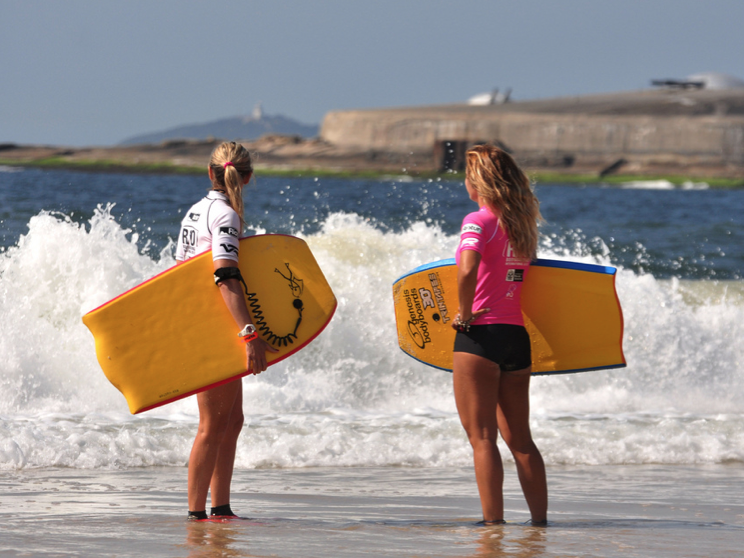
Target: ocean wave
[352,398]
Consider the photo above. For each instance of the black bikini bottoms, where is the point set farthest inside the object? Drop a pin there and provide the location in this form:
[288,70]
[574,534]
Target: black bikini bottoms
[505,344]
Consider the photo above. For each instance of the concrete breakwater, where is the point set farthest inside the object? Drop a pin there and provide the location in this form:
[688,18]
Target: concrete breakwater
[656,132]
[697,132]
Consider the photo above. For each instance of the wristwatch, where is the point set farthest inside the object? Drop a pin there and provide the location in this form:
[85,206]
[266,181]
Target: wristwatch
[248,333]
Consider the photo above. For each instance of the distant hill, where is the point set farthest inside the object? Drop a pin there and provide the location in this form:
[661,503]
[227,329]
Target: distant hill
[239,127]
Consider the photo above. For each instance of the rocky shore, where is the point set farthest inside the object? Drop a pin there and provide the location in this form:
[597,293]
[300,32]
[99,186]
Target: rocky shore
[272,152]
[292,155]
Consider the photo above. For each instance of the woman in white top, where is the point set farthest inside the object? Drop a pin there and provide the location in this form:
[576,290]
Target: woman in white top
[215,223]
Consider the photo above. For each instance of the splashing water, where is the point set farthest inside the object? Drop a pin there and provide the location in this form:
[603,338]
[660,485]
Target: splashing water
[352,397]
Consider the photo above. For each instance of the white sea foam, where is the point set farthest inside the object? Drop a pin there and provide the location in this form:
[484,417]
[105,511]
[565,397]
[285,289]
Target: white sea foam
[663,185]
[352,397]
[648,185]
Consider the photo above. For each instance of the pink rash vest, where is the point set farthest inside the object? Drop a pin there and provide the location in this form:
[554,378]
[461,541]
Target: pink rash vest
[500,273]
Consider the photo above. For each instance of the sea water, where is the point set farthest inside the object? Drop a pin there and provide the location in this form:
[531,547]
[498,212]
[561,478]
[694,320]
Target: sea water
[71,241]
[351,448]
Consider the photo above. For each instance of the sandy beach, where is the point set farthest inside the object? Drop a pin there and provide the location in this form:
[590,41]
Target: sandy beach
[595,511]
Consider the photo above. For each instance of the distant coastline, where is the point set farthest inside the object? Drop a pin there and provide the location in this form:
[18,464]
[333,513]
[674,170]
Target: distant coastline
[251,127]
[681,136]
[306,158]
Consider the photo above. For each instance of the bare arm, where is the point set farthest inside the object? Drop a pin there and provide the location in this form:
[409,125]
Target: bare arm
[232,294]
[467,279]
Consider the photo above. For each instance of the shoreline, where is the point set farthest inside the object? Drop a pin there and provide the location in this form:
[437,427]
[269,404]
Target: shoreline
[613,511]
[537,177]
[285,156]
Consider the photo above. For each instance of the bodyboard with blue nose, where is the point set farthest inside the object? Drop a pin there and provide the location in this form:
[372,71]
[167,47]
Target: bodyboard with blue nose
[571,311]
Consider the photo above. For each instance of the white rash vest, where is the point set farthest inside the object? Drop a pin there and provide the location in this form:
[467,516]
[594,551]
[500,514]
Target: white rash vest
[210,224]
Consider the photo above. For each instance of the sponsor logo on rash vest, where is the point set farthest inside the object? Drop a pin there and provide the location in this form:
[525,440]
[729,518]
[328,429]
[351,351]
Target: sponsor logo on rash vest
[189,239]
[471,228]
[516,275]
[468,242]
[511,256]
[232,231]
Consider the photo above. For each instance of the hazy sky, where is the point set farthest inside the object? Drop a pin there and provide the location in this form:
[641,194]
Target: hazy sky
[94,72]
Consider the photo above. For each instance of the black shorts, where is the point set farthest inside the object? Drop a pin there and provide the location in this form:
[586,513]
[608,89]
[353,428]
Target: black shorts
[505,344]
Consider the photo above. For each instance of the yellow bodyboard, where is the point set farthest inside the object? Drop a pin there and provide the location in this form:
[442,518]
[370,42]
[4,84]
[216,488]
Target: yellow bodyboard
[571,312]
[173,336]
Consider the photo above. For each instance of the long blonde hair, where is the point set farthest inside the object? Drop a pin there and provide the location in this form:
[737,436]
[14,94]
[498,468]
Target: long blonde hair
[507,192]
[228,178]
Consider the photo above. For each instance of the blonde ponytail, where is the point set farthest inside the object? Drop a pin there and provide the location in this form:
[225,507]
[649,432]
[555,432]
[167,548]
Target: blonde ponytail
[230,164]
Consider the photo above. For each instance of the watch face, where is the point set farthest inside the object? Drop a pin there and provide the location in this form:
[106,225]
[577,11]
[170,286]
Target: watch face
[249,329]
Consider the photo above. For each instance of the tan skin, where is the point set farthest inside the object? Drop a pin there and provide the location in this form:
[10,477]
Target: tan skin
[490,401]
[221,409]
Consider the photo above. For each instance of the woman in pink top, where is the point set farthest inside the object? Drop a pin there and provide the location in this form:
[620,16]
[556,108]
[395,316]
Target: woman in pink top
[492,359]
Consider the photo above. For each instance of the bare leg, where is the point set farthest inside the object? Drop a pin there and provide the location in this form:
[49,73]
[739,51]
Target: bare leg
[476,385]
[215,412]
[223,468]
[514,424]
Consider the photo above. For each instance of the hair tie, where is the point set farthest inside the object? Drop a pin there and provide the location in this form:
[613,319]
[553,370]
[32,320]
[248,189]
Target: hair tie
[228,164]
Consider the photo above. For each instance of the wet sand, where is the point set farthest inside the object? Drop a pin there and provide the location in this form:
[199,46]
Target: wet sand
[595,511]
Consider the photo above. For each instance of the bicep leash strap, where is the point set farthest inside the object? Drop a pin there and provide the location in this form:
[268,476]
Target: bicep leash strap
[224,273]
